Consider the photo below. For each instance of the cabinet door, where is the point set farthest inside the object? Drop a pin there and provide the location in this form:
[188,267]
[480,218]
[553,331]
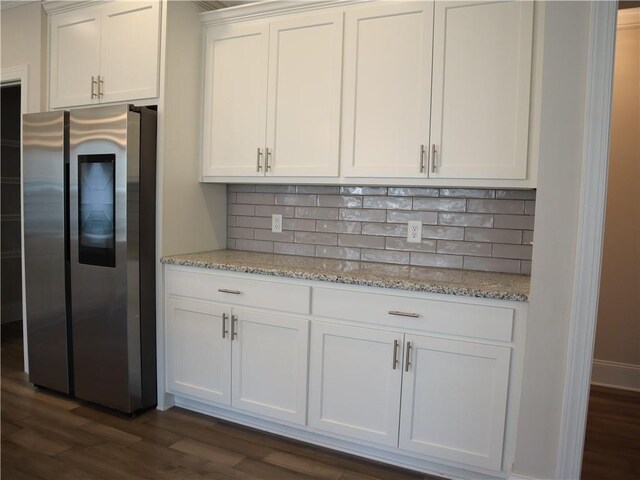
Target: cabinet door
[235,100]
[387,86]
[481,89]
[269,365]
[305,75]
[198,352]
[354,382]
[129,51]
[454,398]
[75,57]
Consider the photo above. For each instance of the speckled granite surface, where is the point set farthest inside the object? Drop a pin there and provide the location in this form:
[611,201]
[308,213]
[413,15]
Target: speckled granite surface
[499,286]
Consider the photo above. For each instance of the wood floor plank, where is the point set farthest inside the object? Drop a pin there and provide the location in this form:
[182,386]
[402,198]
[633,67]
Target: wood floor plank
[110,434]
[303,465]
[41,466]
[60,433]
[266,471]
[168,456]
[36,407]
[29,438]
[207,452]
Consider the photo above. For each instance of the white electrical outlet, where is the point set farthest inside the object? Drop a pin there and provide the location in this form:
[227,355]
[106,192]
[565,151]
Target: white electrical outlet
[414,231]
[276,223]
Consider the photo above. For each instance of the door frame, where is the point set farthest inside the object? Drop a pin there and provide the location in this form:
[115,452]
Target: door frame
[593,195]
[19,75]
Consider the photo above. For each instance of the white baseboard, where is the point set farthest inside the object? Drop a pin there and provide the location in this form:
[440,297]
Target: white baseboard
[616,375]
[515,476]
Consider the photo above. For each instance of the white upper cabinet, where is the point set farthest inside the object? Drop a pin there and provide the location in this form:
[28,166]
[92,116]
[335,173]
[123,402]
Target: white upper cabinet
[398,93]
[303,127]
[130,48]
[387,86]
[235,100]
[481,89]
[74,57]
[106,53]
[272,97]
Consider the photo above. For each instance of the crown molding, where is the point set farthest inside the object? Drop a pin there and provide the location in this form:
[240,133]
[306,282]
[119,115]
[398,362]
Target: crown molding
[268,8]
[9,4]
[59,6]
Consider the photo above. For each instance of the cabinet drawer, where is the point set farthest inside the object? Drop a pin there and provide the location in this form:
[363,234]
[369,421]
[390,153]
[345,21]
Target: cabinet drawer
[238,291]
[449,318]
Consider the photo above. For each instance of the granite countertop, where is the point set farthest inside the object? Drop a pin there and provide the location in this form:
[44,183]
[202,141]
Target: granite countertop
[499,286]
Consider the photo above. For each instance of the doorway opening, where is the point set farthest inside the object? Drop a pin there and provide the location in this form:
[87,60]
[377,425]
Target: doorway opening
[11,214]
[613,421]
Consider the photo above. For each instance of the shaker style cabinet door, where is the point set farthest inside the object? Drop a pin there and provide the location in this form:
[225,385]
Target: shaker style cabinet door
[354,382]
[482,55]
[74,58]
[130,48]
[387,87]
[198,350]
[235,100]
[305,77]
[454,398]
[269,365]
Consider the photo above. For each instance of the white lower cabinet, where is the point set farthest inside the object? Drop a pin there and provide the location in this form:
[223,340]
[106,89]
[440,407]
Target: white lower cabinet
[198,356]
[269,365]
[454,400]
[454,393]
[354,387]
[417,380]
[246,359]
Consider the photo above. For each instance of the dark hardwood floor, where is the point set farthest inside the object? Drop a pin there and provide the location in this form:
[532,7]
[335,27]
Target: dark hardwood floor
[612,442]
[48,436]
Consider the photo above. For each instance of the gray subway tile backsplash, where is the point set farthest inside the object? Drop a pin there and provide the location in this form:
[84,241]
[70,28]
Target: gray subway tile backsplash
[465,228]
[440,204]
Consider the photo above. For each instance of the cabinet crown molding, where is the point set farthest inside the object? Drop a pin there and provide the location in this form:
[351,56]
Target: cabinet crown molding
[269,8]
[59,6]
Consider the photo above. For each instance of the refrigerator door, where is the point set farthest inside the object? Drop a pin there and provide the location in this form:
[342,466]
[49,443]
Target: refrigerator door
[104,248]
[46,156]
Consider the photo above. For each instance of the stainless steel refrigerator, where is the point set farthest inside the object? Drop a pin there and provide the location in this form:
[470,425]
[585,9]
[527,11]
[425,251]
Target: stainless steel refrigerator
[89,221]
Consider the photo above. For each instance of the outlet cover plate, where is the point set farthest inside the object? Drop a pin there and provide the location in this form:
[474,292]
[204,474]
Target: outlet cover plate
[276,223]
[414,231]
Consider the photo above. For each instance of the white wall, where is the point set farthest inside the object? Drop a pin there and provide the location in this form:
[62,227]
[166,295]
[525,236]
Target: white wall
[560,163]
[617,348]
[23,42]
[193,214]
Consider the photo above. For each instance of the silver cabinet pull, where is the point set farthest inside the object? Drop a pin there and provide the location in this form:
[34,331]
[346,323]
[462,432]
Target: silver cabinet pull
[433,157]
[93,90]
[100,82]
[259,160]
[224,325]
[226,290]
[234,327]
[268,159]
[403,314]
[423,150]
[396,346]
[407,363]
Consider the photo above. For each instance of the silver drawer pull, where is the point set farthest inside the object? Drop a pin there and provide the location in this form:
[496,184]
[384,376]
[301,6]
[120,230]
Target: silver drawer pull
[224,325]
[226,290]
[407,362]
[404,314]
[396,346]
